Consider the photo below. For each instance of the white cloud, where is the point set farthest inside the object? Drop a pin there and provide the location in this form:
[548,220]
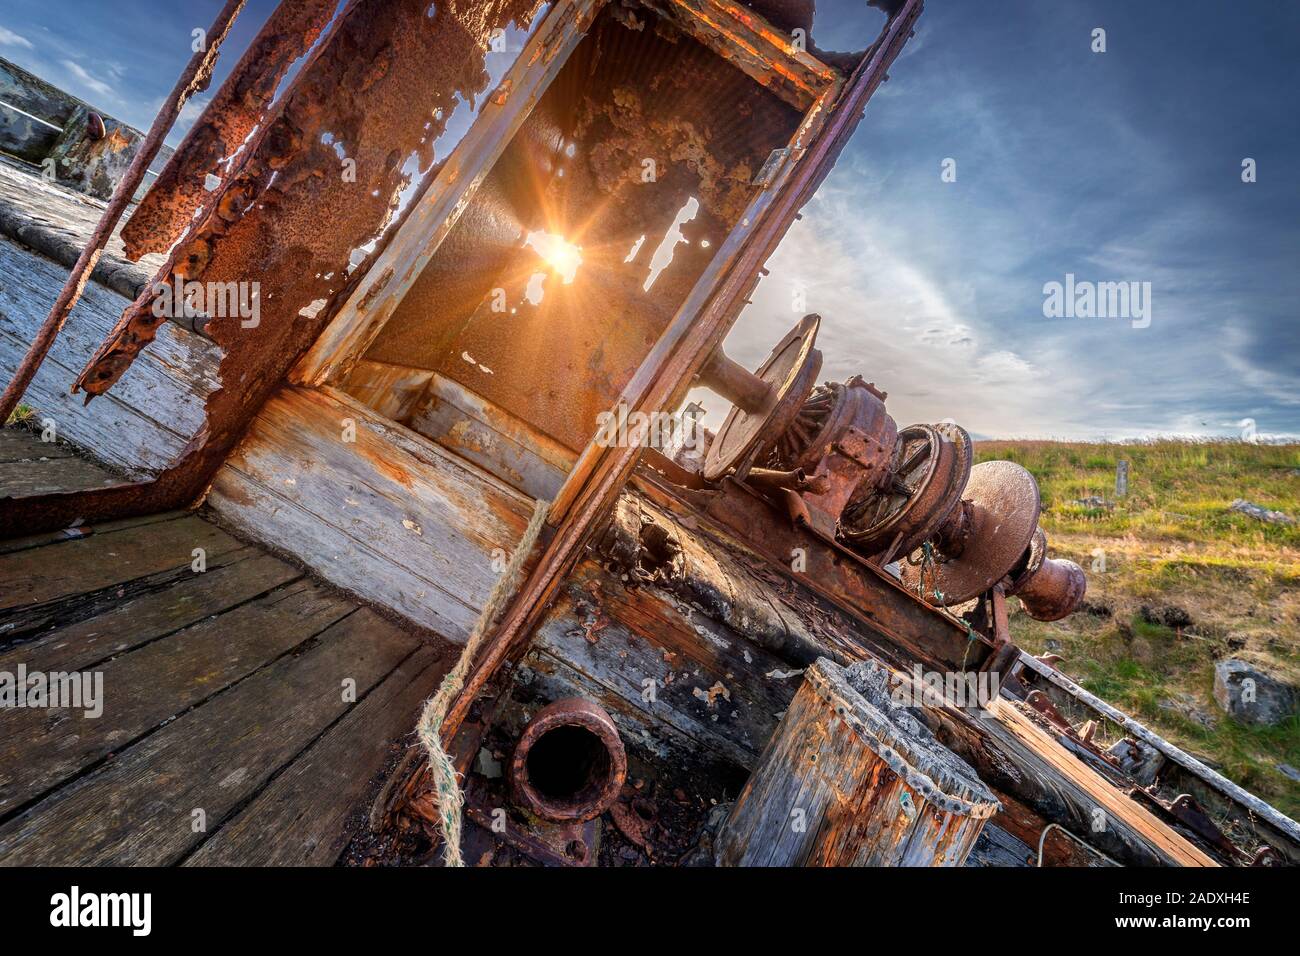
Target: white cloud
[90,82]
[9,38]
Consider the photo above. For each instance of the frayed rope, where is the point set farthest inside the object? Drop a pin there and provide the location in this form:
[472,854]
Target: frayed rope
[429,728]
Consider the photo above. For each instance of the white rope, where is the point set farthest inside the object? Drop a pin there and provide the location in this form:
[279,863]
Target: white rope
[429,728]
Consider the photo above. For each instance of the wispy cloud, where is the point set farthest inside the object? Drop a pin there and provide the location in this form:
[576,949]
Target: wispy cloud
[90,82]
[9,38]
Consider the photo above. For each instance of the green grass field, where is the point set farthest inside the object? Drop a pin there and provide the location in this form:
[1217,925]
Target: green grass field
[1229,583]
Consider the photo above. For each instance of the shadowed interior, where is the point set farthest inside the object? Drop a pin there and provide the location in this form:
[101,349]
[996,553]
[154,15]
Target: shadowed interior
[644,132]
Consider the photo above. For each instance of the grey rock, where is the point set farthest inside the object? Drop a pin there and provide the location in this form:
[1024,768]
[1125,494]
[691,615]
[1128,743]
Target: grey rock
[1250,695]
[1260,513]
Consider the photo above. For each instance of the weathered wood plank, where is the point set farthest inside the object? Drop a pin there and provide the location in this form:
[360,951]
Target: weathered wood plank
[152,684]
[145,806]
[997,847]
[388,516]
[1012,754]
[501,444]
[90,628]
[393,391]
[147,419]
[304,811]
[88,564]
[56,222]
[42,538]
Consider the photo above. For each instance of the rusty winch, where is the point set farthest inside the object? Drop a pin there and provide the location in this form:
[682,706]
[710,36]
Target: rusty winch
[838,462]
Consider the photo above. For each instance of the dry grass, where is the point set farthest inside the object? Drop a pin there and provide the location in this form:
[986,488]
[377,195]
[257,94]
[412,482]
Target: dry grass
[1172,542]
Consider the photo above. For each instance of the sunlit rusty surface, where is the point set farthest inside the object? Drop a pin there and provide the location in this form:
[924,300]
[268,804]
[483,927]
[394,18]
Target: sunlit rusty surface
[624,97]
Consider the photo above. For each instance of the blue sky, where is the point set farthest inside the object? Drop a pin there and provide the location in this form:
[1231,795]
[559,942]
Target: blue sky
[1115,166]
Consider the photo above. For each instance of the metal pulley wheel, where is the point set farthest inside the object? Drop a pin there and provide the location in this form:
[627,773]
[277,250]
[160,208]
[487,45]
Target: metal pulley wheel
[930,468]
[1003,516]
[766,402]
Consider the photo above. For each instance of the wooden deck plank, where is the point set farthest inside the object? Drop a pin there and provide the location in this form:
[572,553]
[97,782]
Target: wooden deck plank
[23,444]
[39,749]
[301,818]
[120,624]
[141,808]
[87,564]
[41,538]
[22,479]
[148,418]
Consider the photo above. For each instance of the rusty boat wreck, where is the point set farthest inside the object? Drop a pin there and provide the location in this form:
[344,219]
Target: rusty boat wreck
[388,357]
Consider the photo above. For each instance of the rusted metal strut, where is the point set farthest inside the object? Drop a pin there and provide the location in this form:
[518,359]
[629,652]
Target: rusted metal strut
[678,356]
[194,79]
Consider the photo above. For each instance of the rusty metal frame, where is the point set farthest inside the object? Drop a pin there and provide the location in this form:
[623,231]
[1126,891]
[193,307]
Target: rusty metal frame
[374,300]
[736,34]
[697,329]
[747,41]
[236,110]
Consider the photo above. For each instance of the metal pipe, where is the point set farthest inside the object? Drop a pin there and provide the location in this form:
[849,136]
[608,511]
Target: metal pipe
[796,480]
[1053,591]
[194,79]
[737,384]
[569,764]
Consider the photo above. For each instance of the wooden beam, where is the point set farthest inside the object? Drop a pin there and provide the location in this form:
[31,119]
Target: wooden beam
[751,44]
[375,299]
[371,506]
[1012,754]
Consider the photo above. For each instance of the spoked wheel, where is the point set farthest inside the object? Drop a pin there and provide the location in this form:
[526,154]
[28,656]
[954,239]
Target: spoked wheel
[929,469]
[808,424]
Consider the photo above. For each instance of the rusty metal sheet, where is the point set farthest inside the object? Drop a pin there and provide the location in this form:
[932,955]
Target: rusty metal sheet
[380,89]
[233,113]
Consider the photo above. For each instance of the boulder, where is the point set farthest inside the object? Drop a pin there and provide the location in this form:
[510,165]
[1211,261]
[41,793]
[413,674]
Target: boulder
[1250,695]
[1260,513]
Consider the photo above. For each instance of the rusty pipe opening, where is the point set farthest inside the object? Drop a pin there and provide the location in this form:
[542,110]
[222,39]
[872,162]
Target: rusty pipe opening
[569,764]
